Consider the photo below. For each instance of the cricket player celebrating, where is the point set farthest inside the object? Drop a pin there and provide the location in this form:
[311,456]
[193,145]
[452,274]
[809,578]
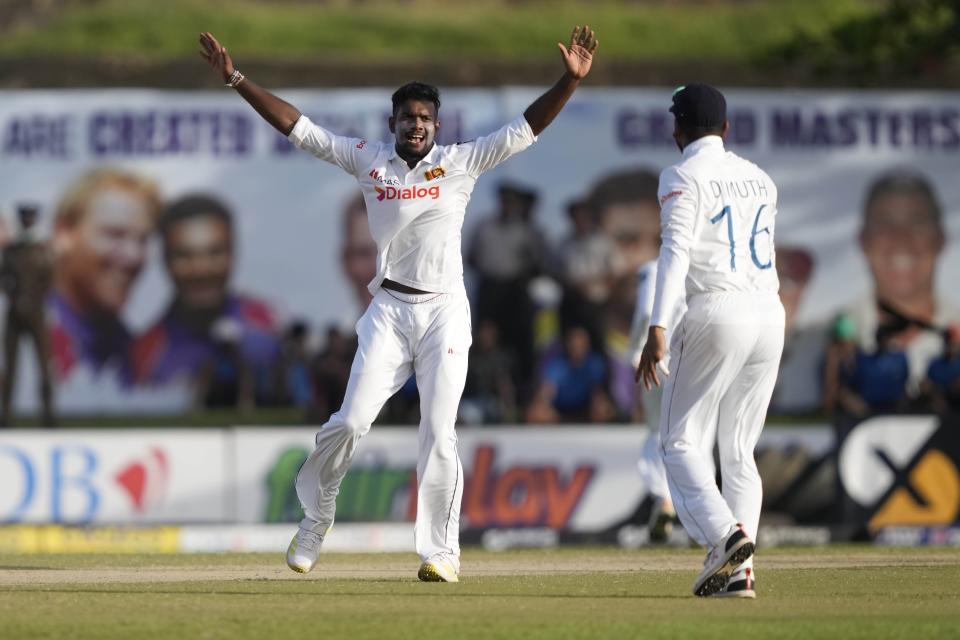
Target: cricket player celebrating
[416,193]
[717,219]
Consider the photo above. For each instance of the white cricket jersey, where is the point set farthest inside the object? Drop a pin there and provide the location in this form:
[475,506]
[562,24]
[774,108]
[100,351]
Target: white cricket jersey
[416,215]
[717,214]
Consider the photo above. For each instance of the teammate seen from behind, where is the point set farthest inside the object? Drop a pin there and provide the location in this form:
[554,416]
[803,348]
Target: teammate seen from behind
[717,218]
[416,194]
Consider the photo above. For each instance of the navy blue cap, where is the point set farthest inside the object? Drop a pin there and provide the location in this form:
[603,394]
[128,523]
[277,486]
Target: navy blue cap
[699,105]
[27,209]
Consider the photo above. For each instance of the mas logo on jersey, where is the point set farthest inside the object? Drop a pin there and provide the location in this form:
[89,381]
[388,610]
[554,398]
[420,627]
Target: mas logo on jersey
[407,193]
[902,471]
[382,179]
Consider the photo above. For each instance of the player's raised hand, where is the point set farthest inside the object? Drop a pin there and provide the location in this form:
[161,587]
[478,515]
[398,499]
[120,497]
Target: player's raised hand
[216,55]
[654,351]
[578,56]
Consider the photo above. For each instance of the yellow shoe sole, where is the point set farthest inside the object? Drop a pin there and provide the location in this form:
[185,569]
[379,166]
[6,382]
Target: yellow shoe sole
[429,573]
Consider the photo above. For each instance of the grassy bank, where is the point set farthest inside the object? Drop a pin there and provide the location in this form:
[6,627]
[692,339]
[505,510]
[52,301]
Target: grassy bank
[423,29]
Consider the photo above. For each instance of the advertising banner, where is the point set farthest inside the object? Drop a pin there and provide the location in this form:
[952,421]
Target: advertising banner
[894,471]
[580,480]
[902,471]
[574,479]
[115,476]
[137,311]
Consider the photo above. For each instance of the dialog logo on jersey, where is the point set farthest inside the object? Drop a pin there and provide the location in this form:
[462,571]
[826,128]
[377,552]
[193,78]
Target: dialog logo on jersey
[407,193]
[900,469]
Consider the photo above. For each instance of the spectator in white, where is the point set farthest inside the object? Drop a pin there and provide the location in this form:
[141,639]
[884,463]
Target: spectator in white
[589,264]
[507,251]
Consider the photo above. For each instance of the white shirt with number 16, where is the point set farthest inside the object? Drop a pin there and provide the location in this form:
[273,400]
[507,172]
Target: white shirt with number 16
[717,216]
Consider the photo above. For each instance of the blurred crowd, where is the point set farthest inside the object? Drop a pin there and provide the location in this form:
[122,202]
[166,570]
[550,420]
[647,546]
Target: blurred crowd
[552,321]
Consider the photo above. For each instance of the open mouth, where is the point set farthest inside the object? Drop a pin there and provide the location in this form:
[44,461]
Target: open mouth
[901,262]
[415,138]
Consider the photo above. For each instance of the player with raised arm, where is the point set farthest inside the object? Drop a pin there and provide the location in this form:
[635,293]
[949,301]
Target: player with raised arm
[416,194]
[717,219]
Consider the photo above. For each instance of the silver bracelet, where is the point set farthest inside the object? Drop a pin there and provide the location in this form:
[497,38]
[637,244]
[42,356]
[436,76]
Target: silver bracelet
[235,79]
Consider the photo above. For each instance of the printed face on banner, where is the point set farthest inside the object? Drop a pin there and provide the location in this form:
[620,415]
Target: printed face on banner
[199,254]
[136,315]
[102,252]
[902,239]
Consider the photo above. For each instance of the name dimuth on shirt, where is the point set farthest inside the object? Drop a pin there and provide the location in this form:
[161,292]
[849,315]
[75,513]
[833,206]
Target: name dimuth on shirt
[738,188]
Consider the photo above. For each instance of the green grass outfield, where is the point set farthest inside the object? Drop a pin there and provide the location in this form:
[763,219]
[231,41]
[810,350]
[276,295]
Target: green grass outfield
[840,591]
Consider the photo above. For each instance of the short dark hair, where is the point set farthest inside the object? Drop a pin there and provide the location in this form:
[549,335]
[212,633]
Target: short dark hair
[416,91]
[693,132]
[194,206]
[902,182]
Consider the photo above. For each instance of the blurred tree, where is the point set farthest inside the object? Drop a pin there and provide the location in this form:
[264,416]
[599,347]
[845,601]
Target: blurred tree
[907,38]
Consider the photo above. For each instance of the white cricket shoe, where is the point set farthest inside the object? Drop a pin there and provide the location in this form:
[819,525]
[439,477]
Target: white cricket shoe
[440,568]
[303,550]
[721,561]
[739,585]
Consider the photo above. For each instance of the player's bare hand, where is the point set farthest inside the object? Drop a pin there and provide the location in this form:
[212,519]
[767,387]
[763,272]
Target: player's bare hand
[578,56]
[216,55]
[654,351]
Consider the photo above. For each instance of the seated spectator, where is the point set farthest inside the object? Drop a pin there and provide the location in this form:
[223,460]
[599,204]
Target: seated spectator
[943,376]
[489,395]
[573,388]
[225,378]
[839,370]
[880,378]
[860,383]
[331,372]
[295,365]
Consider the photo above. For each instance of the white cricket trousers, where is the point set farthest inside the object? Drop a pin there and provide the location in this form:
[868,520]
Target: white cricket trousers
[650,464]
[401,334]
[725,355]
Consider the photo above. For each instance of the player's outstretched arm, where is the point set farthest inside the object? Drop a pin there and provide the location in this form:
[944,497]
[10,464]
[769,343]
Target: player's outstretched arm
[280,114]
[577,58]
